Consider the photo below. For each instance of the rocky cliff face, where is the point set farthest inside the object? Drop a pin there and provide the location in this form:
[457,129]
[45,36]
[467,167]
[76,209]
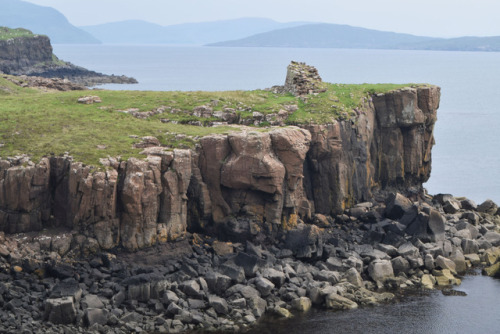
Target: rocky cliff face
[21,53]
[243,185]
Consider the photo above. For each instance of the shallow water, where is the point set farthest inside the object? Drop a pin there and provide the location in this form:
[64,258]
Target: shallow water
[466,158]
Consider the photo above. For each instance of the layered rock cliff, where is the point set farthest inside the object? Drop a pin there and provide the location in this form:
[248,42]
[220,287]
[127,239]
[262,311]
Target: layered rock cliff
[18,53]
[247,184]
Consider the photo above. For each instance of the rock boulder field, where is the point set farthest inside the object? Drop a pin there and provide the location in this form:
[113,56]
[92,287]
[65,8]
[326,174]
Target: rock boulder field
[258,221]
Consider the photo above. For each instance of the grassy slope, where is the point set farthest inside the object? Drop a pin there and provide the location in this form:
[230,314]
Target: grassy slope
[7,33]
[39,124]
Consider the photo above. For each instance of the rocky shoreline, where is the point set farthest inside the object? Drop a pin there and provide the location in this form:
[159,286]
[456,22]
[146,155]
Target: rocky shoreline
[49,282]
[75,74]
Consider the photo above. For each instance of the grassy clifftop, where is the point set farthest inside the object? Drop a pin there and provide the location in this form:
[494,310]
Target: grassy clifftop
[42,123]
[8,33]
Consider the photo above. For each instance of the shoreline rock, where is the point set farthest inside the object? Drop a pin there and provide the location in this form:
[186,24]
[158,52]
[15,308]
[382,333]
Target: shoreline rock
[192,284]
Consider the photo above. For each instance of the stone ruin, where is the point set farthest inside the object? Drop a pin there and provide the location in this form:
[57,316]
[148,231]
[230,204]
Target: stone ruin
[302,79]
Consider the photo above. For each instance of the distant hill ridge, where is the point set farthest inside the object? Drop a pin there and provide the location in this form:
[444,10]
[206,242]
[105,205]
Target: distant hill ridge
[42,20]
[142,32]
[325,35]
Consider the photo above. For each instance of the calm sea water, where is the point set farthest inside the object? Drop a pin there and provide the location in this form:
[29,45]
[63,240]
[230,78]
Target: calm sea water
[466,158]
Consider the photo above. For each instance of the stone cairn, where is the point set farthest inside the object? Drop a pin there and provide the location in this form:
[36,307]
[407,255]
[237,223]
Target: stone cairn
[302,79]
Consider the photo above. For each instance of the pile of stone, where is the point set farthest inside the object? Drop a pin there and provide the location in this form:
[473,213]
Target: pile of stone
[302,79]
[361,257]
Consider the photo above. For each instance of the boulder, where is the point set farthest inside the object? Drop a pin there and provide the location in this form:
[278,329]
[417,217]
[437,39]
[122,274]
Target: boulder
[233,271]
[380,271]
[91,99]
[491,255]
[92,301]
[191,288]
[337,302]
[474,259]
[219,304]
[493,238]
[470,246]
[397,205]
[445,263]
[305,241]
[488,207]
[277,277]
[217,282]
[445,278]
[264,286]
[400,265]
[248,262]
[257,305]
[60,310]
[353,276]
[429,261]
[427,281]
[408,250]
[492,271]
[283,312]
[95,316]
[67,289]
[302,304]
[458,257]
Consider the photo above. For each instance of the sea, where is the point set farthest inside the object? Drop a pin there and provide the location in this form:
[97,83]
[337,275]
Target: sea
[465,159]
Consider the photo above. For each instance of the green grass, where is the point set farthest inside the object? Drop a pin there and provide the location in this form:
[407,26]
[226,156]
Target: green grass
[40,124]
[338,102]
[8,33]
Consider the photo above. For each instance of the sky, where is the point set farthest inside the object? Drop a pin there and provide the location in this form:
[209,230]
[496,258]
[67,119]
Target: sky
[436,18]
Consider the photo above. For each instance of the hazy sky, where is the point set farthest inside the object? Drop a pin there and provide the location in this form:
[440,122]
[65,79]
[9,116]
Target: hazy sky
[441,18]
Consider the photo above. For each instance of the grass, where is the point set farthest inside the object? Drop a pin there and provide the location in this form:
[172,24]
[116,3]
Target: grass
[40,123]
[8,33]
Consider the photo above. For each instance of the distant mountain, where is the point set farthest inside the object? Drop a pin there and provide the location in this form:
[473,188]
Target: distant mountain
[42,20]
[142,32]
[324,35]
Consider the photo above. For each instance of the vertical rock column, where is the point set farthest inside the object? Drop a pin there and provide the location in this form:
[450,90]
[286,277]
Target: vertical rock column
[24,196]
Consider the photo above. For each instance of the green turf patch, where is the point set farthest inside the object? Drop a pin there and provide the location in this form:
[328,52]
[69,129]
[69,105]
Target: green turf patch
[43,123]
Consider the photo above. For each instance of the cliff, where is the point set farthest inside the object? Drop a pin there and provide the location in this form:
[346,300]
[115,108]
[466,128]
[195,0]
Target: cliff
[24,53]
[241,185]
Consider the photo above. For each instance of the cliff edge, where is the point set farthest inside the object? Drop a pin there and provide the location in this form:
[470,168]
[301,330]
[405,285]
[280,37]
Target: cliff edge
[247,184]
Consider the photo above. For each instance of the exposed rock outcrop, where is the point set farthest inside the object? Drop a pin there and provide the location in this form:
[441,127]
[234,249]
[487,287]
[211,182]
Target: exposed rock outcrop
[241,185]
[19,53]
[32,55]
[43,83]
